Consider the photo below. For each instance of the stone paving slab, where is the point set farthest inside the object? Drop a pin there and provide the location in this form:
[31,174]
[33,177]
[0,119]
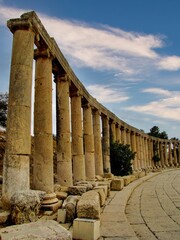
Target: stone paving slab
[156,203]
[114,224]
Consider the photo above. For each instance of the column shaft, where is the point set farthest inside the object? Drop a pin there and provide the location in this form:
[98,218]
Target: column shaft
[64,162]
[43,176]
[106,144]
[77,138]
[18,131]
[88,142]
[97,143]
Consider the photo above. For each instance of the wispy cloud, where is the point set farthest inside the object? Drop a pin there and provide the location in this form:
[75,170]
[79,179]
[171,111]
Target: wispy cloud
[105,94]
[171,63]
[101,47]
[168,107]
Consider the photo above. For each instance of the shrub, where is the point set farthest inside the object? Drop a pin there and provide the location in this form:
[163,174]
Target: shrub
[121,158]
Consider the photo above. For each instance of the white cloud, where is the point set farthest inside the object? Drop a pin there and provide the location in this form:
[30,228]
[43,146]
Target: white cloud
[104,94]
[158,91]
[171,63]
[99,47]
[166,108]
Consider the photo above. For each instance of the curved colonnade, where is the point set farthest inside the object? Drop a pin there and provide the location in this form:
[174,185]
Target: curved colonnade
[84,126]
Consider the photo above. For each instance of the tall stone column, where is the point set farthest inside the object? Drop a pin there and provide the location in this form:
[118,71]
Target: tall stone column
[88,141]
[161,154]
[175,154]
[128,139]
[123,135]
[145,152]
[97,143]
[170,155]
[118,133]
[18,131]
[64,162]
[106,144]
[77,138]
[141,151]
[43,175]
[133,144]
[112,131]
[179,153]
[138,152]
[165,154]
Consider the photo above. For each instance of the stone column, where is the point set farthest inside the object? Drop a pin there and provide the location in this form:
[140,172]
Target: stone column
[161,154]
[77,138]
[138,152]
[123,135]
[175,155]
[141,152]
[97,143]
[106,144]
[118,133]
[112,131]
[170,155]
[18,131]
[43,175]
[179,153]
[88,141]
[128,139]
[165,154]
[145,153]
[64,162]
[133,144]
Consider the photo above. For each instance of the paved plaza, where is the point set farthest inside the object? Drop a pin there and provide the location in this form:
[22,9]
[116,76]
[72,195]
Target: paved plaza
[152,211]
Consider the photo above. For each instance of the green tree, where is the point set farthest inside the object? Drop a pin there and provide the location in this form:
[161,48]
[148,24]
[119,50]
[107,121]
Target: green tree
[3,109]
[155,132]
[121,159]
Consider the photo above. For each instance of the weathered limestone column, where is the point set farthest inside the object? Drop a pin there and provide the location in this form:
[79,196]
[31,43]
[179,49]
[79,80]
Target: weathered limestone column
[88,142]
[179,153]
[133,144]
[149,152]
[138,152]
[18,131]
[118,133]
[123,135]
[161,154]
[141,151]
[165,154]
[145,152]
[128,139]
[43,176]
[175,154]
[77,138]
[106,144]
[152,154]
[170,155]
[112,131]
[97,143]
[64,162]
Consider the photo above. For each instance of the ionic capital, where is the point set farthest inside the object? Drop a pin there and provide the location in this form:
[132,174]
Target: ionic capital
[42,53]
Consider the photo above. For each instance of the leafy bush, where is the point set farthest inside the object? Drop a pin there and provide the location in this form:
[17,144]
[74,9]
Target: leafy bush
[121,158]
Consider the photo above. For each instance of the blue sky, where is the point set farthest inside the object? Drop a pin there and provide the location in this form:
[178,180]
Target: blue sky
[125,52]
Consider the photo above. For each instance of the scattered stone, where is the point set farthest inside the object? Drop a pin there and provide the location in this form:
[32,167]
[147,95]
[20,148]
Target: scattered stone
[70,205]
[141,174]
[4,216]
[41,230]
[99,178]
[88,185]
[61,218]
[89,205]
[127,180]
[102,196]
[108,175]
[77,190]
[52,207]
[117,184]
[61,195]
[25,206]
[64,189]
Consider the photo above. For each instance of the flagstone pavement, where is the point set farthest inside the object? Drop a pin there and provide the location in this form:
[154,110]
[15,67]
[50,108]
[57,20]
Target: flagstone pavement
[147,209]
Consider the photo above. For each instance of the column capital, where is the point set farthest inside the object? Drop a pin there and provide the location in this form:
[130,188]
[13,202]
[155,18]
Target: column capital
[42,53]
[19,24]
